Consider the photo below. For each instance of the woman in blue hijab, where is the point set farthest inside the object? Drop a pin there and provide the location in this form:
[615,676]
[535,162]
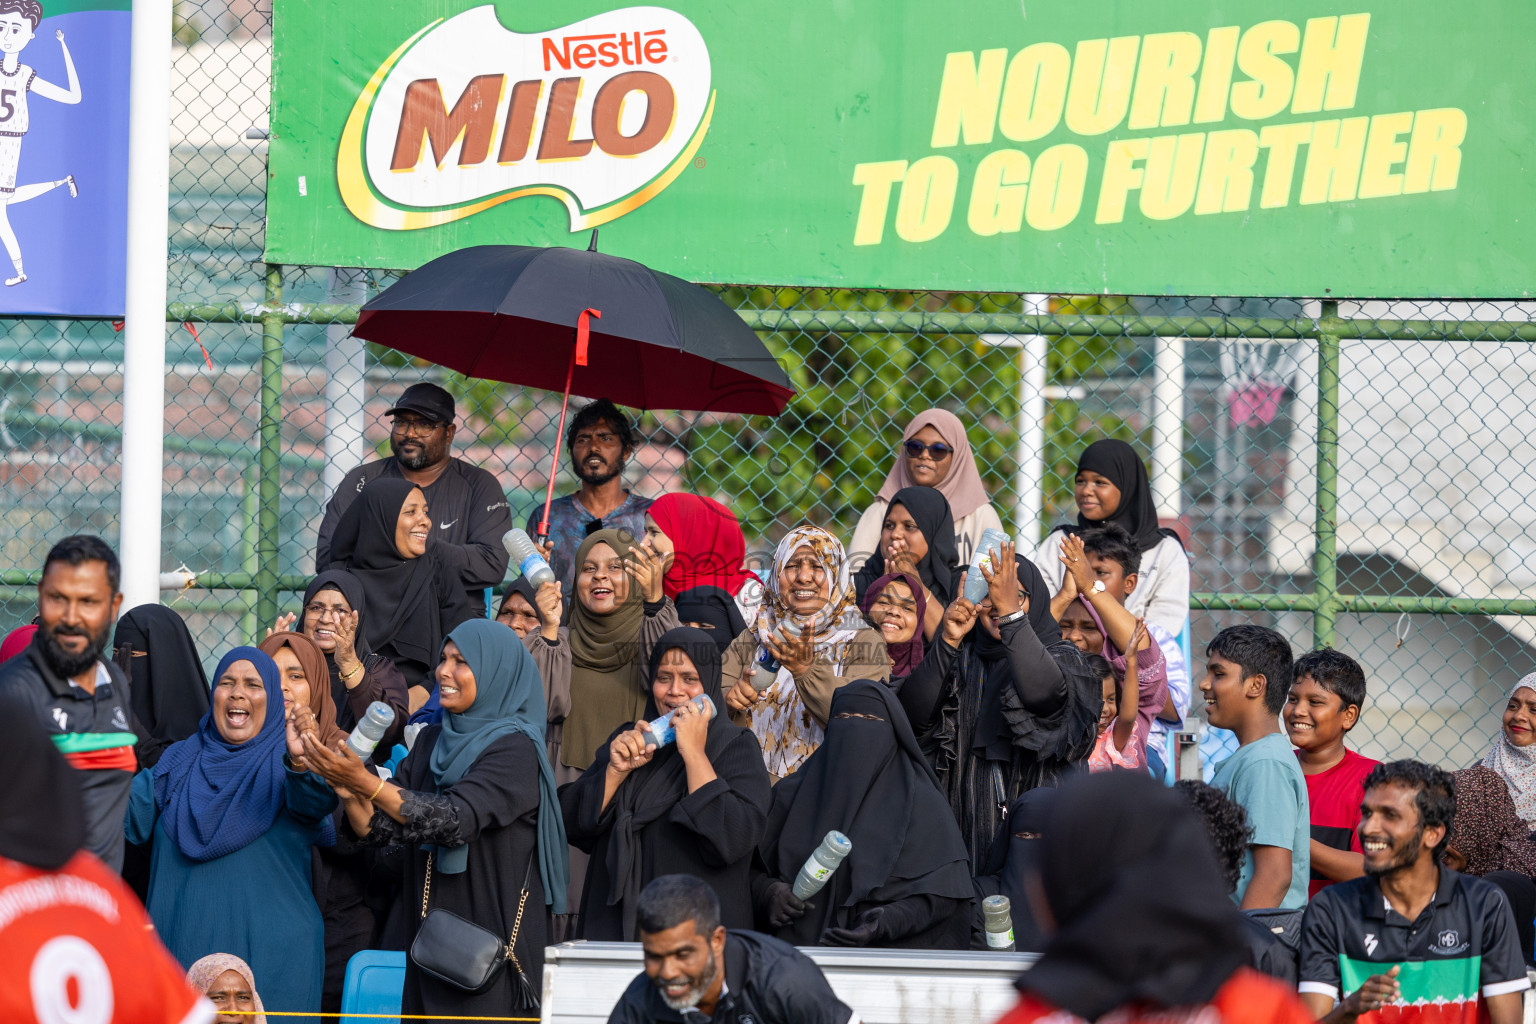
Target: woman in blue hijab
[233,815]
[474,802]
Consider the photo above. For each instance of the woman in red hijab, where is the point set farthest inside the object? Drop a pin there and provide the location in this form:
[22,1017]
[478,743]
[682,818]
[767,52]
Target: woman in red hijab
[705,575]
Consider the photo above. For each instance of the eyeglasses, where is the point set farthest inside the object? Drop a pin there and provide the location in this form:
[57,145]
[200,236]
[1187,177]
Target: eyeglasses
[420,428]
[938,451]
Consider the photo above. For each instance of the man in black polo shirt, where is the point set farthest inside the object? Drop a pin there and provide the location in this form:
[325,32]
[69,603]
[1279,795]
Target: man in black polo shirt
[696,971]
[468,506]
[79,698]
[1429,942]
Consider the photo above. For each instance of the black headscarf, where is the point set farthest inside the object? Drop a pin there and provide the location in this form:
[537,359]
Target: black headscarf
[522,585]
[167,688]
[351,588]
[42,815]
[716,607]
[1118,462]
[870,781]
[405,618]
[992,734]
[653,790]
[1141,915]
[1010,859]
[940,567]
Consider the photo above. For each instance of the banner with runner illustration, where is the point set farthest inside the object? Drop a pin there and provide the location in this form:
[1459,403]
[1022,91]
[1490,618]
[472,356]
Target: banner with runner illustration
[63,156]
[1227,147]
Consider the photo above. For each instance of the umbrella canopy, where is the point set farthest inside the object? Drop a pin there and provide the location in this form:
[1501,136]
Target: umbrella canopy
[510,313]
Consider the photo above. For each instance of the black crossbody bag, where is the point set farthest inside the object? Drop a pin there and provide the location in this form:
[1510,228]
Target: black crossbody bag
[462,953]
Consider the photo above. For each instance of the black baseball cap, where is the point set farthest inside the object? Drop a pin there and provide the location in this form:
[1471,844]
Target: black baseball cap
[426,400]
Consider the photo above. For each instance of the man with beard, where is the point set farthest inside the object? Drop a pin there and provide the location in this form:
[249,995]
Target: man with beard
[696,970]
[466,503]
[600,440]
[1411,934]
[80,698]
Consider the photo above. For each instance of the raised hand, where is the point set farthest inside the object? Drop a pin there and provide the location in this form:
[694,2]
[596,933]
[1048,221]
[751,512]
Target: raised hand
[284,624]
[692,726]
[293,733]
[898,558]
[643,565]
[1003,581]
[959,619]
[550,603]
[794,653]
[1076,560]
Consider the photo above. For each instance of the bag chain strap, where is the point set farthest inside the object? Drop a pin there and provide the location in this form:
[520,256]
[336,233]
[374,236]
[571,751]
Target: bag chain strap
[426,890]
[517,922]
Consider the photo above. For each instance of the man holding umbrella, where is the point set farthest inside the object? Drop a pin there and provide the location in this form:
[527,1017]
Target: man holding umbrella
[469,509]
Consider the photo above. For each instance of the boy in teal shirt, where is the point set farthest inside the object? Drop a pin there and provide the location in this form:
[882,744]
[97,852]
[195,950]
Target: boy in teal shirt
[1248,676]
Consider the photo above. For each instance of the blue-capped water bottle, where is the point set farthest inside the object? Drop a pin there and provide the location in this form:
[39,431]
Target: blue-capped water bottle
[366,734]
[992,541]
[526,556]
[660,732]
[818,867]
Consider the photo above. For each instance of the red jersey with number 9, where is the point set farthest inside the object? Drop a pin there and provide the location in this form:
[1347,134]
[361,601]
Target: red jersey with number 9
[76,947]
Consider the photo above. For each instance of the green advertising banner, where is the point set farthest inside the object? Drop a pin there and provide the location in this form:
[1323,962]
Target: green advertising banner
[1242,147]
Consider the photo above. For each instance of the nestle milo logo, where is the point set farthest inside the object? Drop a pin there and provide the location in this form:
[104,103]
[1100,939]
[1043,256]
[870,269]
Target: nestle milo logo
[602,114]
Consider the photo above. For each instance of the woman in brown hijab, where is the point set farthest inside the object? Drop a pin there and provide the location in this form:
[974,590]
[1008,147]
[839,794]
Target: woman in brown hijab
[594,669]
[306,679]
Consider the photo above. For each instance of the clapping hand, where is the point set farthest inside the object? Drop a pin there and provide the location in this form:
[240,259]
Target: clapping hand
[794,653]
[898,558]
[284,624]
[298,722]
[1003,581]
[644,566]
[1076,560]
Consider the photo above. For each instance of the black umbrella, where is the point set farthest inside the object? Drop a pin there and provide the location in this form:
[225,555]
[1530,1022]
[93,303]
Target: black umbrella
[523,314]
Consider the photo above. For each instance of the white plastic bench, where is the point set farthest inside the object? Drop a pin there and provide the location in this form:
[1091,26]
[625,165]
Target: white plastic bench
[583,981]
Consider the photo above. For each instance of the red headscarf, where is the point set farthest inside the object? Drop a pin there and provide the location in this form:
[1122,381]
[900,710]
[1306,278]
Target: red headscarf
[16,641]
[709,548]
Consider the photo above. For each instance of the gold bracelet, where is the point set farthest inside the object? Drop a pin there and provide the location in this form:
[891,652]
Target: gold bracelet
[354,673]
[377,792]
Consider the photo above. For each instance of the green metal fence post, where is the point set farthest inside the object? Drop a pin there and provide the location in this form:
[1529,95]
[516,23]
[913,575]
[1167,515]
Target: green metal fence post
[269,458]
[1325,557]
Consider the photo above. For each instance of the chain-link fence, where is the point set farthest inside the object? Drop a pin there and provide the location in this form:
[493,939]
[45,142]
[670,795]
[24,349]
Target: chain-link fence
[1357,473]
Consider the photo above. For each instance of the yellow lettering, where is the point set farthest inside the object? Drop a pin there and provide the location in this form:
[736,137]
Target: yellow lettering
[1035,92]
[1283,141]
[1121,174]
[1226,176]
[1434,150]
[1382,152]
[927,199]
[1056,191]
[1100,91]
[1216,74]
[968,97]
[876,179]
[1271,78]
[997,196]
[1328,74]
[1173,172]
[1165,80]
[1333,161]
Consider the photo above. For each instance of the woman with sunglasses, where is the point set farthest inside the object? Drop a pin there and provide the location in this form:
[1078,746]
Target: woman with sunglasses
[934,452]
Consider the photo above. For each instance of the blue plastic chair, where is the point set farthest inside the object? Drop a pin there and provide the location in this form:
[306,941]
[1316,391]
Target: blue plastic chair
[374,983]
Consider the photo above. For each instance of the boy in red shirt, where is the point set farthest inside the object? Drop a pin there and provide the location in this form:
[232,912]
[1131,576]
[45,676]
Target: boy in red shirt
[1325,703]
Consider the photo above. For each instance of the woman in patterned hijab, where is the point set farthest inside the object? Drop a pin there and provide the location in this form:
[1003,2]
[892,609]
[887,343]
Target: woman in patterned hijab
[807,640]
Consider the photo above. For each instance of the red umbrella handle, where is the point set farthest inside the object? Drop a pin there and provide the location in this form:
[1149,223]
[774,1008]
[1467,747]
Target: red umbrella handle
[578,358]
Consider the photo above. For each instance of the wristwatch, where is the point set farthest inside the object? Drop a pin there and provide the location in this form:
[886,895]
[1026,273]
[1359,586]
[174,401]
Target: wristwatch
[1012,617]
[1098,587]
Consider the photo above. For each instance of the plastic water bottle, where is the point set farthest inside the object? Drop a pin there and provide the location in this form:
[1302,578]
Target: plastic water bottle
[366,735]
[998,914]
[660,732]
[818,867]
[527,558]
[992,539]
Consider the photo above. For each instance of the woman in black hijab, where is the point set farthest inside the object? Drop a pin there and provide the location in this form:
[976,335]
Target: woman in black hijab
[1140,922]
[917,537]
[1014,854]
[334,617]
[167,689]
[713,610]
[1004,706]
[695,806]
[415,597]
[906,883]
[1111,486]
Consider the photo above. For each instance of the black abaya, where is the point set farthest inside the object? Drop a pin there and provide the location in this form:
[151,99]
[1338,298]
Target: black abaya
[497,803]
[906,880]
[167,688]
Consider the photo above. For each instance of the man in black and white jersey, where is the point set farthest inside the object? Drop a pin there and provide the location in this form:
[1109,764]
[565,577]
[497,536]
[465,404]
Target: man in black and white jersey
[1412,934]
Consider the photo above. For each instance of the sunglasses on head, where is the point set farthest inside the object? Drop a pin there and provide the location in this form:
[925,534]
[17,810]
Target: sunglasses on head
[938,451]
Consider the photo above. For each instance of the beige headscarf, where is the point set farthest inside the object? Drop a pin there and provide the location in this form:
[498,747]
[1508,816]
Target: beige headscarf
[962,486]
[211,967]
[608,687]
